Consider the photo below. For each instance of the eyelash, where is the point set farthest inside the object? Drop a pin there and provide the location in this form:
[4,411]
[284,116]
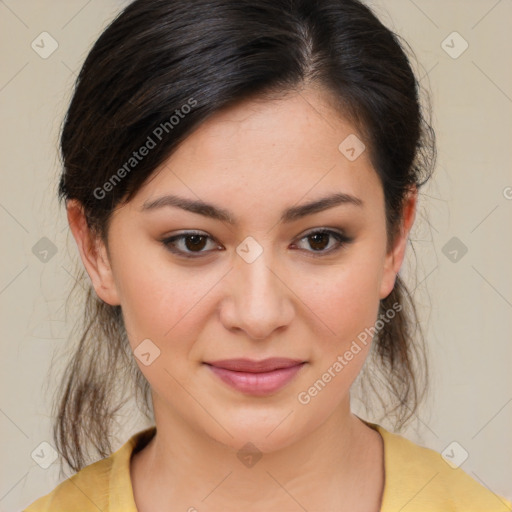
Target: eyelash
[341,239]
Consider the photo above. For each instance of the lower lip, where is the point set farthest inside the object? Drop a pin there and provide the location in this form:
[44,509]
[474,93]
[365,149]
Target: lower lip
[258,384]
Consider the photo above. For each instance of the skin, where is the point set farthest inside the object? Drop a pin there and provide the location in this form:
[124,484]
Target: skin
[264,156]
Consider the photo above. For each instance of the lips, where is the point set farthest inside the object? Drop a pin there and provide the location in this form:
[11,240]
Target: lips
[258,378]
[251,366]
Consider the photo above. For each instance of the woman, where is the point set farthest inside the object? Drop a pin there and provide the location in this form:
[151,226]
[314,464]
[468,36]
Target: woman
[240,179]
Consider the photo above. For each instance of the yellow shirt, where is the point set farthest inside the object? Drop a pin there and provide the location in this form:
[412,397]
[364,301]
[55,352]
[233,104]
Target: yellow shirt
[417,479]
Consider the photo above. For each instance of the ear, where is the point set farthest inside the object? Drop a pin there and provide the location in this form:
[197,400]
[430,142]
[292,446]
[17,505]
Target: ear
[93,253]
[395,256]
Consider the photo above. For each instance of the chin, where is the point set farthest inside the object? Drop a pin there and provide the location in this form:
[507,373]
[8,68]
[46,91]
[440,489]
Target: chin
[268,432]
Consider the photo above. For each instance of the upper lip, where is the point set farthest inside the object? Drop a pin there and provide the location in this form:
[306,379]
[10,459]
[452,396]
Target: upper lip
[249,365]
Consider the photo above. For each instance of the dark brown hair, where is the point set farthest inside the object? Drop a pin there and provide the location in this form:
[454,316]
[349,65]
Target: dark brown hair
[158,56]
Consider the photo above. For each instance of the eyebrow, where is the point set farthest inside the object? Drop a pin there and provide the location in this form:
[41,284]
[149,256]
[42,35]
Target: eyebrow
[290,214]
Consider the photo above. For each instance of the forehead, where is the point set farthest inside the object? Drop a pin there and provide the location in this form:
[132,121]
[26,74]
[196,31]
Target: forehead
[263,152]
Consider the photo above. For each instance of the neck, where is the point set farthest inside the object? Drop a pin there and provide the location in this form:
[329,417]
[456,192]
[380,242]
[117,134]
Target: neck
[338,463]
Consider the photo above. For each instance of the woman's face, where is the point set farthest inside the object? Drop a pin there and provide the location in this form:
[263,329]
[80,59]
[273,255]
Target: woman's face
[260,286]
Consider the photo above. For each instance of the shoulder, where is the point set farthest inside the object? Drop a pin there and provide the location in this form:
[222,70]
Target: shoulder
[103,485]
[418,479]
[87,490]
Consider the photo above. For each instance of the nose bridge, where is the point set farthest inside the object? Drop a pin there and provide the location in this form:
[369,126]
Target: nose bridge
[260,302]
[257,277]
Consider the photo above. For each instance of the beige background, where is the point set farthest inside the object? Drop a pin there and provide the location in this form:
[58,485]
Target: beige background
[466,305]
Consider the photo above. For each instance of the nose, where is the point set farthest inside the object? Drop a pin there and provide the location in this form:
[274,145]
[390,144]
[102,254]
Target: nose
[258,301]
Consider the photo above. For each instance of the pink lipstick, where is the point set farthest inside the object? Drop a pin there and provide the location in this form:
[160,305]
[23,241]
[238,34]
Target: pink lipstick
[257,378]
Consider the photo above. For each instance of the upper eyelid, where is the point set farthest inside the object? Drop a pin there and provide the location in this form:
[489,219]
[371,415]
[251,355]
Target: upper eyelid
[303,235]
[311,231]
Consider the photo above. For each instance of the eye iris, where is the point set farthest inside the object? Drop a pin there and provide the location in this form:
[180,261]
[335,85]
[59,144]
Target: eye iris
[197,243]
[316,237]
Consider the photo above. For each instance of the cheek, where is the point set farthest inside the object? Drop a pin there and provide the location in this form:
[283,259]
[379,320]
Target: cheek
[347,301]
[151,292]
[166,305]
[163,301]
[344,300]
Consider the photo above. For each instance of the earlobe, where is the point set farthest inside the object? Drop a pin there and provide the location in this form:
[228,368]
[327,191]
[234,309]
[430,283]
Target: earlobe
[395,257]
[93,254]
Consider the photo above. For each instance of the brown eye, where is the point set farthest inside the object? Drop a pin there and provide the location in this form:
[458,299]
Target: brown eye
[189,245]
[319,241]
[195,242]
